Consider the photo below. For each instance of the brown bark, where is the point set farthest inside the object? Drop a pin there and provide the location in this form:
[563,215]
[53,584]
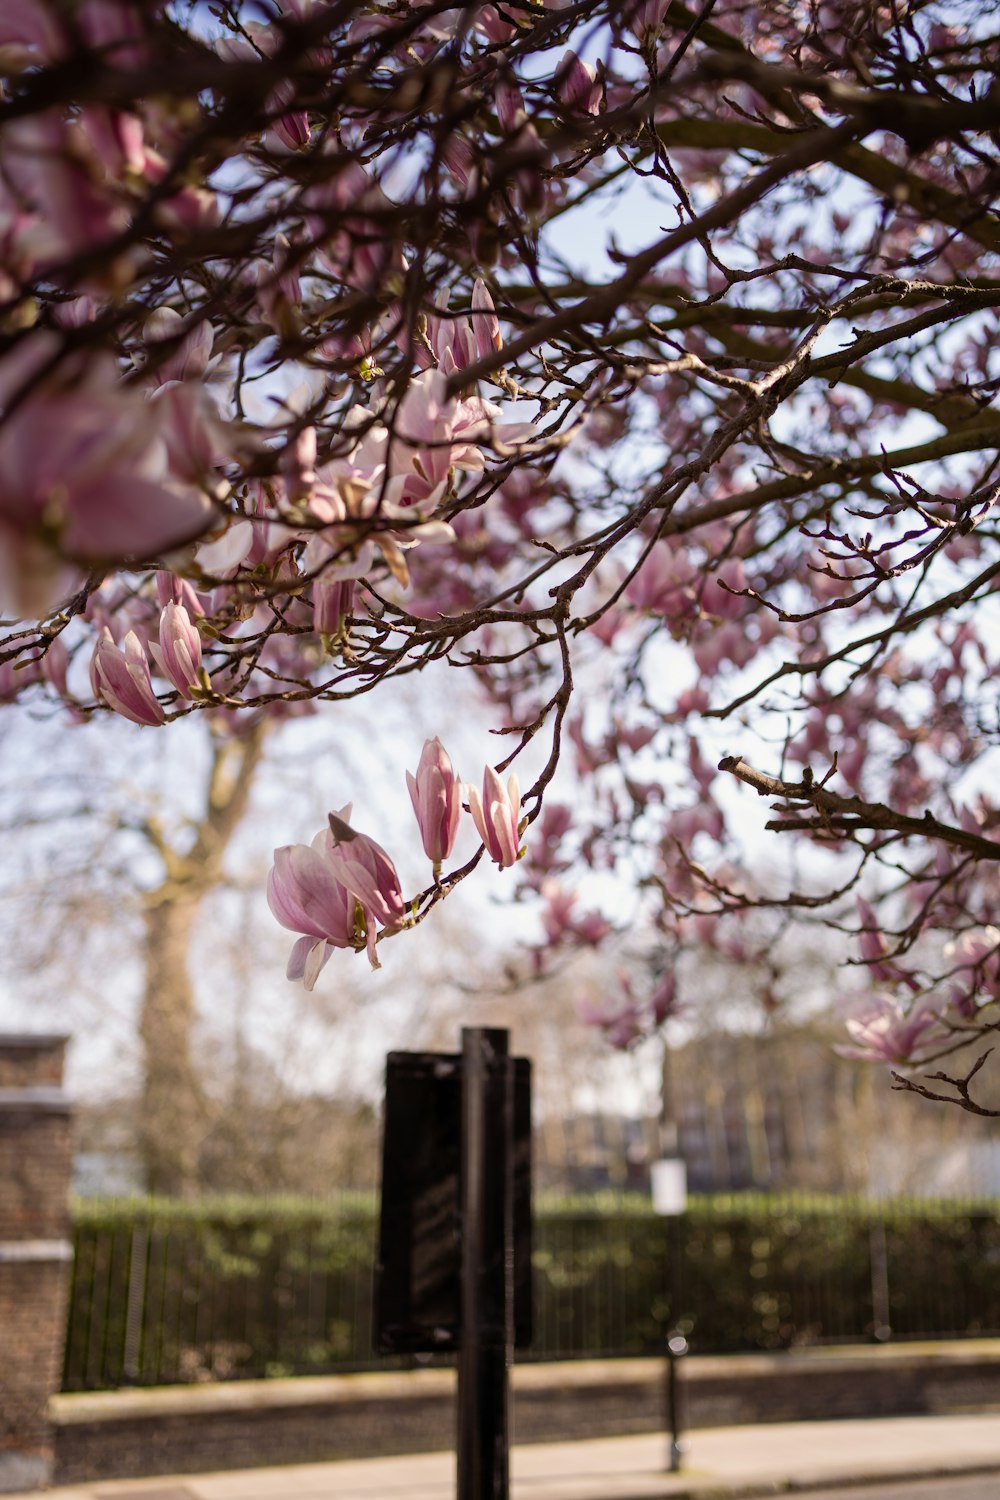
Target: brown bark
[172,1111]
[172,1118]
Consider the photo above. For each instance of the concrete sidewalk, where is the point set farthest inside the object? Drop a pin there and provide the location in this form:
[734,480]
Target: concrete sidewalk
[722,1461]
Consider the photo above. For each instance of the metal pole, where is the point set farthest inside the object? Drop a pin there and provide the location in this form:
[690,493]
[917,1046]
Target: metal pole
[677,1347]
[670,1198]
[879,1255]
[135,1305]
[487,1297]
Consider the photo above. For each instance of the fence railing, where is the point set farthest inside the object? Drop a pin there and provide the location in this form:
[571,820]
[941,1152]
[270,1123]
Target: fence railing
[162,1295]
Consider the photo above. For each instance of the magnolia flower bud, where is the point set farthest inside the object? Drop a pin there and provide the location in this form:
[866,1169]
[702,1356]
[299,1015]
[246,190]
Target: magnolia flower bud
[121,680]
[178,655]
[577,86]
[485,323]
[496,816]
[436,796]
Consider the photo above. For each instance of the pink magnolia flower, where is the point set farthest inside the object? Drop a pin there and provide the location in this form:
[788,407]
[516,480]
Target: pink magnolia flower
[279,289]
[178,350]
[619,1018]
[978,949]
[121,679]
[29,33]
[357,246]
[15,677]
[714,644]
[298,465]
[78,312]
[53,168]
[563,924]
[886,1032]
[645,20]
[634,737]
[305,896]
[436,795]
[550,830]
[333,601]
[191,207]
[494,26]
[663,1001]
[485,323]
[496,815]
[420,458]
[721,596]
[874,948]
[972,946]
[462,162]
[291,129]
[511,113]
[557,820]
[590,928]
[194,436]
[608,625]
[84,469]
[577,86]
[222,556]
[171,589]
[663,585]
[457,342]
[364,868]
[178,655]
[113,27]
[55,666]
[116,139]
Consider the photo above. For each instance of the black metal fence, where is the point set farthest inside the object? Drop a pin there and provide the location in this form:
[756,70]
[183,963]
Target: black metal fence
[164,1294]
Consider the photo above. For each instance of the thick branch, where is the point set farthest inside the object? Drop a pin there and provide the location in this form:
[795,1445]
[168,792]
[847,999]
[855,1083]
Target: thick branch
[846,816]
[887,177]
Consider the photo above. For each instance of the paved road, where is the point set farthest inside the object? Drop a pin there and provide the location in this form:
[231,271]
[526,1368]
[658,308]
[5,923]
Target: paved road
[985,1487]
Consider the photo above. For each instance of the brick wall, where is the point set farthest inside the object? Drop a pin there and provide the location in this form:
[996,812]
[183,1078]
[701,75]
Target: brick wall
[35,1160]
[26,1061]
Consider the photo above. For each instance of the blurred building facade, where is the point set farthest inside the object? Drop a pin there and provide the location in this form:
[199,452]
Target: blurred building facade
[777,1112]
[772,1112]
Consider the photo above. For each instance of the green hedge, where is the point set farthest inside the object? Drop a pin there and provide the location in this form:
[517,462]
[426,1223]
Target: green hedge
[166,1292]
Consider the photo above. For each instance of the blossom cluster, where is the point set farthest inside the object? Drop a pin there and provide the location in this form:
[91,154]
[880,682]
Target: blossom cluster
[305,384]
[911,1019]
[125,441]
[343,891]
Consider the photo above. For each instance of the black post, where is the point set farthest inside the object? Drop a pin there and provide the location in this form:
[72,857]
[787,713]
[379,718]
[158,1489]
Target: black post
[879,1255]
[677,1347]
[135,1305]
[676,1200]
[487,1295]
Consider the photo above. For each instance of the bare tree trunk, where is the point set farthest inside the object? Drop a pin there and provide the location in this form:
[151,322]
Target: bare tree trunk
[172,1106]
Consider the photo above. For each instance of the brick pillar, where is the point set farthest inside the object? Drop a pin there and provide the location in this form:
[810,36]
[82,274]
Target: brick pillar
[35,1251]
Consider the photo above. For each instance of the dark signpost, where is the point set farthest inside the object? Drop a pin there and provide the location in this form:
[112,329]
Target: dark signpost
[668,1180]
[454,1266]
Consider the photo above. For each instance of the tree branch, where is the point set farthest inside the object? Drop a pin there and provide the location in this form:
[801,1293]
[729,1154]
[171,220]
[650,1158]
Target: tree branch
[849,815]
[960,1085]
